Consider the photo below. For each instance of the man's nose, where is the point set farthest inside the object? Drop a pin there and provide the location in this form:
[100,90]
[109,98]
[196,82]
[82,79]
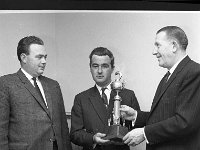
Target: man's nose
[43,60]
[99,69]
[155,51]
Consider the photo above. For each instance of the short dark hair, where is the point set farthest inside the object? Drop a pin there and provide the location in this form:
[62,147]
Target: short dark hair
[102,51]
[24,45]
[176,33]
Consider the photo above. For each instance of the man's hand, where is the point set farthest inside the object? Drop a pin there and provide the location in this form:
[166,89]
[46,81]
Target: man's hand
[128,113]
[97,138]
[134,137]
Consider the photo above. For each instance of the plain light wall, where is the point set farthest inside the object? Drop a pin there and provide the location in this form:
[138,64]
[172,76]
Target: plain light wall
[70,36]
[129,35]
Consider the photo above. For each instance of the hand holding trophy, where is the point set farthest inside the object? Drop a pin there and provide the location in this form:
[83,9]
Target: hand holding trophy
[116,131]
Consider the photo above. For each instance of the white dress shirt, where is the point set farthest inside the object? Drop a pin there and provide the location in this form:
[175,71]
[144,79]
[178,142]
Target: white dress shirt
[38,83]
[107,91]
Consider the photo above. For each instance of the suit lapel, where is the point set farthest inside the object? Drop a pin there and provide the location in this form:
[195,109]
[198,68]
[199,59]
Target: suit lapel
[31,89]
[159,93]
[98,105]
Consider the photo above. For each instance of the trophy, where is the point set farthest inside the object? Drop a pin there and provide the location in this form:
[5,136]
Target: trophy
[116,131]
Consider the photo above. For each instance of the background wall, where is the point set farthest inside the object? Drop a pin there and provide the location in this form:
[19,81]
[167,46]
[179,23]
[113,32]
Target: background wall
[70,36]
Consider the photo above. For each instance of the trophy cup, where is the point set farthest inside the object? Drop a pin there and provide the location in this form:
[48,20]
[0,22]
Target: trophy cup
[116,131]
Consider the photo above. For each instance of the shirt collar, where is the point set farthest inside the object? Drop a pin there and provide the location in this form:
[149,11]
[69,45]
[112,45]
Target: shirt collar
[108,87]
[176,64]
[28,75]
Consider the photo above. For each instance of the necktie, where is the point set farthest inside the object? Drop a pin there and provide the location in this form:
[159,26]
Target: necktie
[38,89]
[165,81]
[167,76]
[104,97]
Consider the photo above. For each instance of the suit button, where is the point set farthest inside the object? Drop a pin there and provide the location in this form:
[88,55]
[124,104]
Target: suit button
[51,140]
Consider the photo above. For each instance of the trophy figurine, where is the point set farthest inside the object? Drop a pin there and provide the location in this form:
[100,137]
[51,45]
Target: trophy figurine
[116,131]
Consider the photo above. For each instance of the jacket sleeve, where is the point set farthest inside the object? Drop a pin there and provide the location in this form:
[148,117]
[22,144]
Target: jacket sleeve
[78,133]
[4,116]
[186,119]
[141,119]
[132,102]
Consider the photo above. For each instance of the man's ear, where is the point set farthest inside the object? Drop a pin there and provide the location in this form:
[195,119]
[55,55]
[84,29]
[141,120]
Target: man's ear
[23,57]
[113,69]
[175,46]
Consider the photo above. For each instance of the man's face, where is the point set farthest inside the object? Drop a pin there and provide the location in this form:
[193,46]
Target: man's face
[35,62]
[164,50]
[101,70]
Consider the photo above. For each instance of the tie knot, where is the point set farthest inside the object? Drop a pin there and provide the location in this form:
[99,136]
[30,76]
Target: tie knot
[34,79]
[167,76]
[103,89]
[168,73]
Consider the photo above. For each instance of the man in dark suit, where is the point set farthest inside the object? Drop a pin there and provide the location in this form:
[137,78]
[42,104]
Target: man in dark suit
[174,121]
[32,109]
[90,115]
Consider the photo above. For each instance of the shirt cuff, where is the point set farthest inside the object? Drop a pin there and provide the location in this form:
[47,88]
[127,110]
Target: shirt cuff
[145,137]
[134,119]
[93,146]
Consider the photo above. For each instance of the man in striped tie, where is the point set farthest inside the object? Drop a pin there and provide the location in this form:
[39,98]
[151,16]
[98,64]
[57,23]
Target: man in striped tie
[92,109]
[173,122]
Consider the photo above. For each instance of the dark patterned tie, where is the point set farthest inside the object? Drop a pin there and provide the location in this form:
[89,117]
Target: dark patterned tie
[38,89]
[165,80]
[104,97]
[167,76]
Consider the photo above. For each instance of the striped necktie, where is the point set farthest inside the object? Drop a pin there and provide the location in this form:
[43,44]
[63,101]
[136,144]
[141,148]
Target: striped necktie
[104,97]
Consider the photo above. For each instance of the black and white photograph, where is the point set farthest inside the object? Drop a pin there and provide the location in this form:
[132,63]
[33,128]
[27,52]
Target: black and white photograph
[72,54]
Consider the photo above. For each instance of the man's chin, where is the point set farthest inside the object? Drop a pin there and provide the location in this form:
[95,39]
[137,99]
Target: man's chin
[40,73]
[161,65]
[100,83]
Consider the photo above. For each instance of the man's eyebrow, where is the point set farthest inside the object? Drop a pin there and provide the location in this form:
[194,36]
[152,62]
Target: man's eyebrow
[41,55]
[105,64]
[100,64]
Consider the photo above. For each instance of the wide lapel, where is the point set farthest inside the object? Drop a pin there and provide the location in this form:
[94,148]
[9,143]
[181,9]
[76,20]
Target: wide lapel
[31,89]
[171,79]
[98,105]
[158,92]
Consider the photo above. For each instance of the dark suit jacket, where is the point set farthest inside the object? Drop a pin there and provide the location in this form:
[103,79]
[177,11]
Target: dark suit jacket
[89,117]
[174,120]
[25,122]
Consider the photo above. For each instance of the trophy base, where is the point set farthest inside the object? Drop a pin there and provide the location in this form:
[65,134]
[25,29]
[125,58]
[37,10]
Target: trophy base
[116,133]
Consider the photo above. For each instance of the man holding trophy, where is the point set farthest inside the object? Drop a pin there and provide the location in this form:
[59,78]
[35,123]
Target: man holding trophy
[96,122]
[173,123]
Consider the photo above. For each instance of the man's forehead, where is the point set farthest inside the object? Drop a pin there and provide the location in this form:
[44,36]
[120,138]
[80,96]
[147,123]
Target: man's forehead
[161,35]
[36,48]
[101,59]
